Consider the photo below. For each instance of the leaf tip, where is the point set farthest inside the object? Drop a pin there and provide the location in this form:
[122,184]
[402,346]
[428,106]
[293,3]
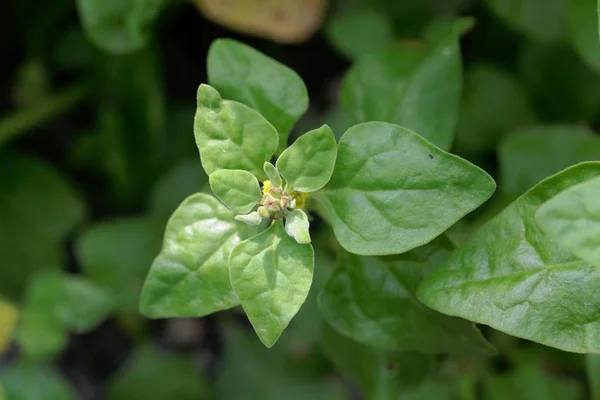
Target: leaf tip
[208,96]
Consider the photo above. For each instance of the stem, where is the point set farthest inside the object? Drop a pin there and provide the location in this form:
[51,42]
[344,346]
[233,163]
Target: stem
[21,122]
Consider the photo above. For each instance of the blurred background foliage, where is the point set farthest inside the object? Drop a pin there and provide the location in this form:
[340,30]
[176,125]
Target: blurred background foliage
[97,150]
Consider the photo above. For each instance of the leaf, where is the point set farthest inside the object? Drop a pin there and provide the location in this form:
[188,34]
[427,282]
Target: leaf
[118,26]
[583,30]
[308,163]
[514,278]
[246,75]
[296,225]
[117,255]
[538,20]
[190,276]
[150,375]
[392,191]
[272,174]
[181,181]
[372,300]
[572,218]
[237,189]
[413,86]
[38,208]
[41,336]
[271,274]
[480,125]
[380,374]
[231,135]
[31,380]
[357,33]
[529,155]
[283,21]
[252,219]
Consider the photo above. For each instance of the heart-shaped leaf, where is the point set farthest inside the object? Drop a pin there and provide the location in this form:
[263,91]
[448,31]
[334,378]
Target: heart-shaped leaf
[238,189]
[392,190]
[271,274]
[231,135]
[518,280]
[190,276]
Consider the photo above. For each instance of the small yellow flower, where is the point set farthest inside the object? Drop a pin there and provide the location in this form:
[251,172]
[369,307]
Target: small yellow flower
[266,186]
[300,198]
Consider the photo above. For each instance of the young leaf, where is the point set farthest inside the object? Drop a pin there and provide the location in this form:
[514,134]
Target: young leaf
[246,75]
[190,277]
[531,154]
[416,87]
[31,380]
[237,189]
[272,174]
[118,26]
[251,219]
[308,163]
[357,33]
[583,30]
[392,191]
[296,225]
[271,274]
[572,218]
[516,279]
[40,336]
[538,20]
[231,135]
[372,300]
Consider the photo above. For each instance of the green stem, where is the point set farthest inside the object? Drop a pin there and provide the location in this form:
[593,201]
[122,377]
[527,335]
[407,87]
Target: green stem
[57,104]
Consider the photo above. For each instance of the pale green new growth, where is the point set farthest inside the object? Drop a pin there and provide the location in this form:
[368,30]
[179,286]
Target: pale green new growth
[296,225]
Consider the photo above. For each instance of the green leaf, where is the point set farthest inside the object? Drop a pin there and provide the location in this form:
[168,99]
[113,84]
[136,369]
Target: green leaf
[480,125]
[583,30]
[118,26]
[514,278]
[392,191]
[308,163]
[117,255]
[231,135]
[150,375]
[296,225]
[237,189]
[592,366]
[572,218]
[529,155]
[40,335]
[38,208]
[380,374]
[372,300]
[246,75]
[271,274]
[414,86]
[538,20]
[251,219]
[356,33]
[190,276]
[272,174]
[31,380]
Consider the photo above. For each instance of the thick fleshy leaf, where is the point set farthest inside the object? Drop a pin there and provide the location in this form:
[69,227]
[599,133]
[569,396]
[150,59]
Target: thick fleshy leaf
[31,380]
[272,174]
[238,189]
[118,26]
[308,163]
[538,20]
[38,208]
[480,125]
[392,190]
[150,375]
[414,86]
[572,218]
[251,219]
[271,274]
[296,225]
[518,280]
[380,374]
[117,255]
[360,32]
[190,276]
[246,75]
[583,30]
[231,135]
[531,154]
[372,300]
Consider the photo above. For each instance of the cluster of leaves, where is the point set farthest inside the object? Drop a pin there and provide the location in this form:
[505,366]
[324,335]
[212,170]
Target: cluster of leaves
[364,249]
